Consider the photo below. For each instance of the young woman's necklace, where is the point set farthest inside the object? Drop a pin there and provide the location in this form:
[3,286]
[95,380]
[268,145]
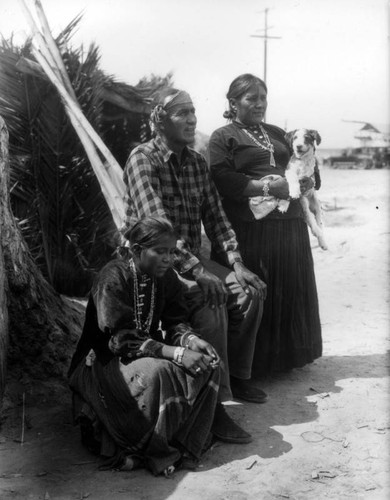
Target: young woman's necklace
[139,300]
[268,146]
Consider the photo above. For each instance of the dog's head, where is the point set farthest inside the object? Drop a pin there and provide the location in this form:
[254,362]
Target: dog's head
[302,140]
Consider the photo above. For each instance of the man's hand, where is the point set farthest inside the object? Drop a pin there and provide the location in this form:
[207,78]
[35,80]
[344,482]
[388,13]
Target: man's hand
[246,277]
[214,291]
[199,345]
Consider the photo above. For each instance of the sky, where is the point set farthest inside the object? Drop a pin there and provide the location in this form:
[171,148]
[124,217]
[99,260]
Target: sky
[330,64]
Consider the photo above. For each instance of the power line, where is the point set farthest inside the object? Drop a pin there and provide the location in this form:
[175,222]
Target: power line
[266,38]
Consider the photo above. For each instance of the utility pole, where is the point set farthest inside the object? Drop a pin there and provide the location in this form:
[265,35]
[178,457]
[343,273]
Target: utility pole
[266,37]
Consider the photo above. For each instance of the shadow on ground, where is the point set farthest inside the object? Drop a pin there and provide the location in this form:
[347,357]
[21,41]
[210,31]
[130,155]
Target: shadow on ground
[52,459]
[289,403]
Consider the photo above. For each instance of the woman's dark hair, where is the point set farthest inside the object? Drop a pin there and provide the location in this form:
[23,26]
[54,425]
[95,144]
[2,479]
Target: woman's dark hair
[239,87]
[146,232]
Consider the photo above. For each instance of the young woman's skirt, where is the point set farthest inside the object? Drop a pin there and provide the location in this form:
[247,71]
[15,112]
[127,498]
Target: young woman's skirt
[279,252]
[149,409]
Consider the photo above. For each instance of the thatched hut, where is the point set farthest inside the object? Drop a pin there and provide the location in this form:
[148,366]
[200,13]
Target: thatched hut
[55,195]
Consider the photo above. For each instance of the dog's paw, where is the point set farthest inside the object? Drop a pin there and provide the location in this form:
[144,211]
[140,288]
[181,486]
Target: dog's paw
[283,206]
[323,245]
[295,193]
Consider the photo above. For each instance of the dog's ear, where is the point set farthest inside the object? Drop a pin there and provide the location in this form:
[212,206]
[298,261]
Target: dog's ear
[316,136]
[289,137]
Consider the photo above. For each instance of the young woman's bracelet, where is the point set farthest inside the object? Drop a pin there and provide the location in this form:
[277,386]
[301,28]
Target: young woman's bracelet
[190,337]
[178,354]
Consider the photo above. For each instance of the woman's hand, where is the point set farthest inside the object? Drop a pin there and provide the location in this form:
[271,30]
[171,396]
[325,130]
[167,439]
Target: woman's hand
[199,345]
[122,342]
[279,189]
[196,363]
[214,291]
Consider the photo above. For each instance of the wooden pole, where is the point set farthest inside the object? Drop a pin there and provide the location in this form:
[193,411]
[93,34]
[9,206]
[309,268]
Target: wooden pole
[112,187]
[109,174]
[4,209]
[265,45]
[265,36]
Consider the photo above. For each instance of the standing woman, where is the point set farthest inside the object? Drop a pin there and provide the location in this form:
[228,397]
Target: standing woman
[141,397]
[277,246]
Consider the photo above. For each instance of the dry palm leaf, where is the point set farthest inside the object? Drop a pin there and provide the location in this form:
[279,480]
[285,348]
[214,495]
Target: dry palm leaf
[46,52]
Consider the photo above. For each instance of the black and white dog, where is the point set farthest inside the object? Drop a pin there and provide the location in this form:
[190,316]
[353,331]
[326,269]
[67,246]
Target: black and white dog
[302,163]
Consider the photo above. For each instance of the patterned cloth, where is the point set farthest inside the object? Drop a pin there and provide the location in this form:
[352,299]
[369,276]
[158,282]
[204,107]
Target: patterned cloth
[158,183]
[137,403]
[151,409]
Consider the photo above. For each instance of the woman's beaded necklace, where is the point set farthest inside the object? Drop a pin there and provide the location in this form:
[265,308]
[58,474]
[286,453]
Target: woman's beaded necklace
[258,132]
[139,300]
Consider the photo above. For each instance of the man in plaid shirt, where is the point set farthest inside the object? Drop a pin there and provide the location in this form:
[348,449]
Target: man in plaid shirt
[165,177]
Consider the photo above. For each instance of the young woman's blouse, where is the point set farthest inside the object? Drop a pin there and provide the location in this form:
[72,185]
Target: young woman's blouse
[111,312]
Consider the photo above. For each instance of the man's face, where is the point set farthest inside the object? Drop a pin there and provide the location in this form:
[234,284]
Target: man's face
[180,124]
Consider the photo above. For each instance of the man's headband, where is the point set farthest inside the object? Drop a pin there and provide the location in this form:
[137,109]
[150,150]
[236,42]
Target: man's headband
[168,102]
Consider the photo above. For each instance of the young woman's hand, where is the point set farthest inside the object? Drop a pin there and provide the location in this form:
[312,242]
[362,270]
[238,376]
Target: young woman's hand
[196,363]
[199,345]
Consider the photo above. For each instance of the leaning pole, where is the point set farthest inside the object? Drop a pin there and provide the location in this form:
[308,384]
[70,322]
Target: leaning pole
[4,210]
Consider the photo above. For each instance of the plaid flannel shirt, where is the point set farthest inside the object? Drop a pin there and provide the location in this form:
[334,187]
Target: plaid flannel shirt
[185,194]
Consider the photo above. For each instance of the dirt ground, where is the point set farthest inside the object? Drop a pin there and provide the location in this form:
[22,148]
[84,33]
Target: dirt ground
[324,433]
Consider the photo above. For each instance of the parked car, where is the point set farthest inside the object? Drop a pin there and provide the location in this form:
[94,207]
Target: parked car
[359,158]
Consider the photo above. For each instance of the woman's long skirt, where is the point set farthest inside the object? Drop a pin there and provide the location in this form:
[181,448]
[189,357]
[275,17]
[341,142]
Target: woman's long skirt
[279,252]
[150,408]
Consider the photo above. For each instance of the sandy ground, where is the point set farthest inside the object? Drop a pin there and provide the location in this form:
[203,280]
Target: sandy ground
[324,433]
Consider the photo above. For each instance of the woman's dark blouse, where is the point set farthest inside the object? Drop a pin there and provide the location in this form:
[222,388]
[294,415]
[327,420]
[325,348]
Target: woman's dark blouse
[110,311]
[235,159]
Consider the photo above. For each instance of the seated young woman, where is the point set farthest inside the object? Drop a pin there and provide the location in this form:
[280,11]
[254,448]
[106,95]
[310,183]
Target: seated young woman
[144,384]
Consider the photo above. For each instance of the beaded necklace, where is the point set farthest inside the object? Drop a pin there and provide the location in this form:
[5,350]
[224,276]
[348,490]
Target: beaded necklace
[139,300]
[268,146]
